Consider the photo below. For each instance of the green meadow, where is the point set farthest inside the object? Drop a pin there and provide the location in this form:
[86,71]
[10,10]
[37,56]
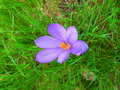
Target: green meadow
[97,23]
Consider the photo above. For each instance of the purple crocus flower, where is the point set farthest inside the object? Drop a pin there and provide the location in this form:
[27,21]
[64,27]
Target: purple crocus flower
[60,45]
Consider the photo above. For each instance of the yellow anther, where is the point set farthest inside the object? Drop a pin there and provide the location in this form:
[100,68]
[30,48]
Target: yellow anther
[65,45]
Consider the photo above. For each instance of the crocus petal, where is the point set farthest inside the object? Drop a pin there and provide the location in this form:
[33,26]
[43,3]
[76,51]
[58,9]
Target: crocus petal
[48,55]
[63,56]
[72,35]
[57,31]
[47,42]
[79,47]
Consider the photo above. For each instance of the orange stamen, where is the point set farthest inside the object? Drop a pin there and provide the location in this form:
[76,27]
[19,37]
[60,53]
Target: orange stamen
[65,45]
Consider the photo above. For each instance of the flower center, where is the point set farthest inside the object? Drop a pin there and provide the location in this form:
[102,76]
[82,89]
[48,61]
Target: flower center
[65,45]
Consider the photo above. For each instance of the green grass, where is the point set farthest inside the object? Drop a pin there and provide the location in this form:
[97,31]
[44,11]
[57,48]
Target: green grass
[23,21]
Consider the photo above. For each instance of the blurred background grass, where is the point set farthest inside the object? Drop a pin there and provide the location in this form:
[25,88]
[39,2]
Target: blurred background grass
[22,21]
